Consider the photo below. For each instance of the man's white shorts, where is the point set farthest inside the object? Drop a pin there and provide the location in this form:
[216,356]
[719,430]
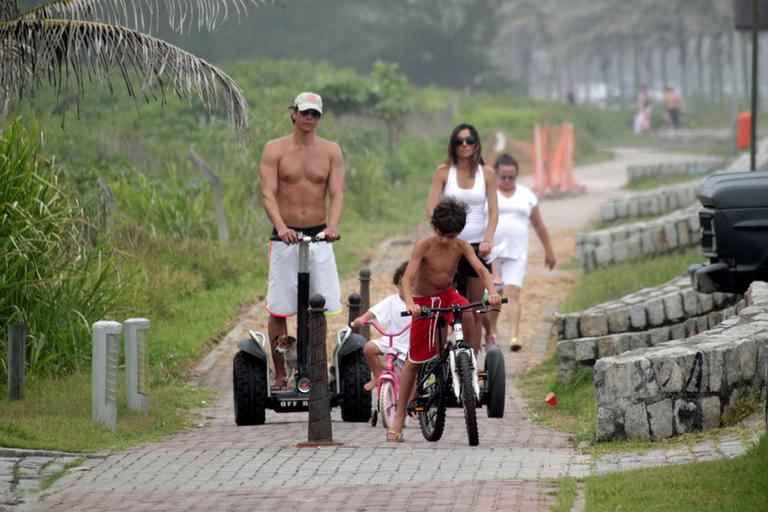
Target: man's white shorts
[283,286]
[512,270]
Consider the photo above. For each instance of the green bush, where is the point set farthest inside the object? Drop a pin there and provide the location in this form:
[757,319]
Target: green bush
[50,280]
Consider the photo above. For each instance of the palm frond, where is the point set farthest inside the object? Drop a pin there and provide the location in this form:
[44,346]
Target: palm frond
[143,15]
[9,9]
[70,54]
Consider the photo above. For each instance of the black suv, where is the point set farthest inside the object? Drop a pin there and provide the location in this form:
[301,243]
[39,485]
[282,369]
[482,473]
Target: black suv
[734,232]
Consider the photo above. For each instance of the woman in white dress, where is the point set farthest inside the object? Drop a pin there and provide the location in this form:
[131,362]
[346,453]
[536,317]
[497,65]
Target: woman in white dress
[464,177]
[518,206]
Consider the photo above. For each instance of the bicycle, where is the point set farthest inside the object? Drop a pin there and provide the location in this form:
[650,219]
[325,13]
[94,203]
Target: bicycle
[388,381]
[455,369]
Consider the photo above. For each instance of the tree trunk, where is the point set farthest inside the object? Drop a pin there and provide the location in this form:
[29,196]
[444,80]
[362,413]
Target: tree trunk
[682,49]
[700,64]
[663,65]
[620,74]
[745,52]
[636,63]
[717,65]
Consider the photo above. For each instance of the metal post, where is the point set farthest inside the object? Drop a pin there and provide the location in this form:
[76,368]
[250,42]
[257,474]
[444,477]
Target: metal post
[17,379]
[137,363]
[755,51]
[365,296]
[319,426]
[353,303]
[104,363]
[302,311]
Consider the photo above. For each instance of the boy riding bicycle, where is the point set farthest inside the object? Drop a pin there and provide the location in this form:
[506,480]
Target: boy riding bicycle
[386,312]
[428,281]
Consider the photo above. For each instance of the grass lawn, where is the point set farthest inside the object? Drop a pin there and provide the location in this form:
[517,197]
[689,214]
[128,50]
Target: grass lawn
[612,282]
[56,415]
[736,484]
[665,181]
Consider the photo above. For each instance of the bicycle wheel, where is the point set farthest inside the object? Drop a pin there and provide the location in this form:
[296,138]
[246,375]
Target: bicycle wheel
[468,397]
[387,402]
[431,401]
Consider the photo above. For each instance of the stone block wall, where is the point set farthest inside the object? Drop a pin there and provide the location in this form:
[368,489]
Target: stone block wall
[638,240]
[652,202]
[643,319]
[686,384]
[644,172]
[693,138]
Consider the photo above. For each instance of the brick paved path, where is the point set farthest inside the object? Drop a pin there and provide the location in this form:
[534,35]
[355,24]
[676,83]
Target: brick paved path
[223,467]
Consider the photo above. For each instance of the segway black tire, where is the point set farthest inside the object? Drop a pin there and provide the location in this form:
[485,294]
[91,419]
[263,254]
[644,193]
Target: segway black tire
[249,381]
[355,400]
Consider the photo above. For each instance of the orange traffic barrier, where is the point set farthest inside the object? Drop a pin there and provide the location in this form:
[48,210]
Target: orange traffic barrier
[553,168]
[743,130]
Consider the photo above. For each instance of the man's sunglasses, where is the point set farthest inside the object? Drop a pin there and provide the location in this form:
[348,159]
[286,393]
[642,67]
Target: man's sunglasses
[471,140]
[311,114]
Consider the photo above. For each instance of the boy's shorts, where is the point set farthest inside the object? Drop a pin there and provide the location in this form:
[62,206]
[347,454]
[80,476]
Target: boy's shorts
[424,330]
[282,290]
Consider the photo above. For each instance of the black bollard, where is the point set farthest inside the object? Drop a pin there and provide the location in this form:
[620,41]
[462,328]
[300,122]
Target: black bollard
[319,427]
[365,296]
[17,334]
[353,303]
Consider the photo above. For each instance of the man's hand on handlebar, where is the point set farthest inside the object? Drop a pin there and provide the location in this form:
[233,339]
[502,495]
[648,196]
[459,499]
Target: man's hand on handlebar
[331,234]
[288,236]
[494,299]
[414,310]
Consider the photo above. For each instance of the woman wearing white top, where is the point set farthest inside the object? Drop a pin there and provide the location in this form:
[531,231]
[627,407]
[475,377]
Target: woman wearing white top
[517,206]
[464,177]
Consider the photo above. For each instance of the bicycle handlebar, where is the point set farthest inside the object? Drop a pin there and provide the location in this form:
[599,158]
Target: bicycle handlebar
[427,311]
[381,330]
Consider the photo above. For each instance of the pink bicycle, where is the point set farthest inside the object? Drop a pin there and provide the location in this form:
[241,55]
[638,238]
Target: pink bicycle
[387,383]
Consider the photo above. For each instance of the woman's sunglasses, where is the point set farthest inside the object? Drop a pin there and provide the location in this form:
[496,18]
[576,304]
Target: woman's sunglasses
[471,140]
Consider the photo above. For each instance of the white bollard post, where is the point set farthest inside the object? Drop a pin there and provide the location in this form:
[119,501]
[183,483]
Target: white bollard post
[137,363]
[104,366]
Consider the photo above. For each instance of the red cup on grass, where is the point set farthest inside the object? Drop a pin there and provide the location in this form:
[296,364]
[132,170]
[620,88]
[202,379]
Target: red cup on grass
[551,399]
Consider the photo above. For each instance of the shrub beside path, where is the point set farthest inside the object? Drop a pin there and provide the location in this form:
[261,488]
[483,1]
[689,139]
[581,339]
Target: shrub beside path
[219,466]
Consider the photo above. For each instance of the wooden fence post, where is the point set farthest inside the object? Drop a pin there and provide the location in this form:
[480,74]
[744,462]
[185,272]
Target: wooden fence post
[365,296]
[319,426]
[215,182]
[17,378]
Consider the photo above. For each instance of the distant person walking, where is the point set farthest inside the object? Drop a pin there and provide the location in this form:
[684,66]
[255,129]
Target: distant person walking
[642,122]
[464,177]
[673,105]
[517,206]
[299,172]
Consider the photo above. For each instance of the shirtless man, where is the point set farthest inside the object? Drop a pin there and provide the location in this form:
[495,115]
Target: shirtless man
[428,281]
[298,172]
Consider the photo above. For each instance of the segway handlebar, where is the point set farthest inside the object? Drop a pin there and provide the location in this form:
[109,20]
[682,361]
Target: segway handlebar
[320,237]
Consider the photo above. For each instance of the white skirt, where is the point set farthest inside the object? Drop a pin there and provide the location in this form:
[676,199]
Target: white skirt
[512,270]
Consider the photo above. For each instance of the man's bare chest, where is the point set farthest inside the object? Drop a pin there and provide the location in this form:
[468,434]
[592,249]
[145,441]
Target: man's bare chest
[303,167]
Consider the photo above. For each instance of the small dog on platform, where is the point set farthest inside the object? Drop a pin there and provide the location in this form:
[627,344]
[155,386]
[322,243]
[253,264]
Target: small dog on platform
[285,346]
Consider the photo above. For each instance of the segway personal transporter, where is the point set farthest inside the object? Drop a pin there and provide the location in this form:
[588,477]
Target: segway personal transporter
[251,374]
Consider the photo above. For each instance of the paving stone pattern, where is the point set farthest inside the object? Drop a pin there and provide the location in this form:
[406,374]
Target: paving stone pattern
[22,471]
[687,384]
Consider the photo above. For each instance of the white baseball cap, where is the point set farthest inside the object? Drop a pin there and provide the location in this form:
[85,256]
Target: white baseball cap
[308,101]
